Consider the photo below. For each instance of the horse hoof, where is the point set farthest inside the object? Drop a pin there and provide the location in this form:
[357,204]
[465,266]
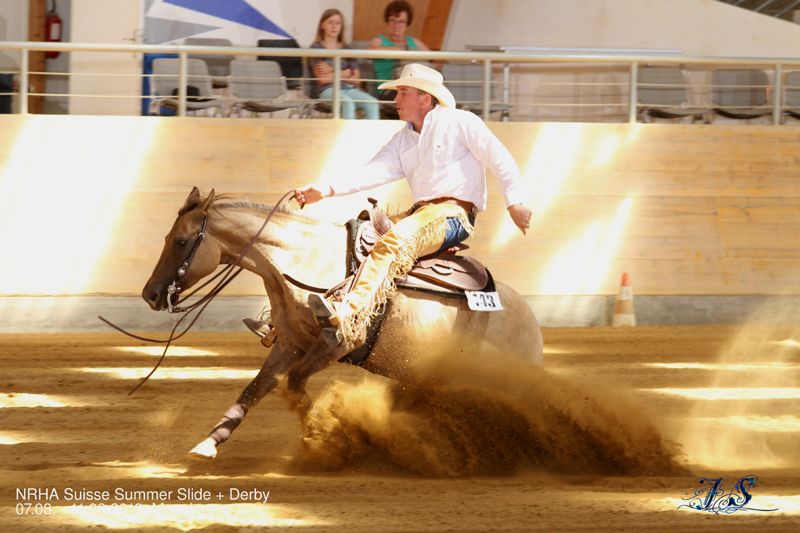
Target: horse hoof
[204,451]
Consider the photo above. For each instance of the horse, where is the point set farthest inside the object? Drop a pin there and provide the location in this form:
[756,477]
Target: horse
[418,326]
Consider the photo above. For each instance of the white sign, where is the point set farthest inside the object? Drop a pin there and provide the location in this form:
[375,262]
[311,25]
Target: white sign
[483,301]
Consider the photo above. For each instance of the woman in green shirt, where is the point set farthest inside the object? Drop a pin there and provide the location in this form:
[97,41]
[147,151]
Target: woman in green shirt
[398,16]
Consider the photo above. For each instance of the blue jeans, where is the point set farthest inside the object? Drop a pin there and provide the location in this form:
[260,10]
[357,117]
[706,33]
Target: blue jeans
[351,99]
[455,232]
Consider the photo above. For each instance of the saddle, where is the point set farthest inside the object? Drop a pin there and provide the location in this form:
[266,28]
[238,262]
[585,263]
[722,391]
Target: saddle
[440,272]
[443,272]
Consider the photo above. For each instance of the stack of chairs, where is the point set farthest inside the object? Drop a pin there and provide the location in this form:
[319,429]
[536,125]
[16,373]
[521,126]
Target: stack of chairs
[791,96]
[260,87]
[740,93]
[663,92]
[219,66]
[199,90]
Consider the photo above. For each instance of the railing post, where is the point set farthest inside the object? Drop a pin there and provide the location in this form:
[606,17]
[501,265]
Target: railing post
[777,95]
[633,96]
[183,67]
[487,88]
[506,92]
[337,79]
[23,82]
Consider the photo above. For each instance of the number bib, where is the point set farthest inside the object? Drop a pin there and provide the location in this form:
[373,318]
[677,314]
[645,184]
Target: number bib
[483,301]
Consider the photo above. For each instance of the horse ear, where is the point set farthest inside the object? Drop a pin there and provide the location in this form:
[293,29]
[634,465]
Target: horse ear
[208,201]
[192,199]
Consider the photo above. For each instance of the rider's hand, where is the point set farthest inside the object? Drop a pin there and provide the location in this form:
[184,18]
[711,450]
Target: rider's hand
[521,216]
[311,193]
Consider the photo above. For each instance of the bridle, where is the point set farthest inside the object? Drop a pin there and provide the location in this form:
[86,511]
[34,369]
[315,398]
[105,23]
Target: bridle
[174,289]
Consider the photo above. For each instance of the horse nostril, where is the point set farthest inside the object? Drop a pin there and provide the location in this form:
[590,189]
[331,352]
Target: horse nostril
[151,296]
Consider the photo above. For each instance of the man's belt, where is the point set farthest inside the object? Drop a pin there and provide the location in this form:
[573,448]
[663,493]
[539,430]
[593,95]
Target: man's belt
[469,207]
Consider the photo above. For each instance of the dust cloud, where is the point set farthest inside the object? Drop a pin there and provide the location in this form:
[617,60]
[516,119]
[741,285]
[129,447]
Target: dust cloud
[486,417]
[763,356]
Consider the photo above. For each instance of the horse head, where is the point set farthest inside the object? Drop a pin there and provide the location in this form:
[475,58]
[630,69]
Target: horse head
[187,256]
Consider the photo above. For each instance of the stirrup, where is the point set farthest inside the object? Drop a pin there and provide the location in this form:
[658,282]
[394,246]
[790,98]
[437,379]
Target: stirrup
[323,310]
[261,329]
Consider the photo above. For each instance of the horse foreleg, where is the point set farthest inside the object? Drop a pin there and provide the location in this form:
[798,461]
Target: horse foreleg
[278,362]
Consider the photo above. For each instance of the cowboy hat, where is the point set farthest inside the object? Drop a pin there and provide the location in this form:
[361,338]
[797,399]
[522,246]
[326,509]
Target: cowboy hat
[425,79]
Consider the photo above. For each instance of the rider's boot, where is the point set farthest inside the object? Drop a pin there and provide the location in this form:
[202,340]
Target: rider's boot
[327,314]
[338,346]
[325,310]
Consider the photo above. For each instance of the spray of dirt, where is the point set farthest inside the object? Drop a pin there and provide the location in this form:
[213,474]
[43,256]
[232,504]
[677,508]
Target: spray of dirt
[752,433]
[485,417]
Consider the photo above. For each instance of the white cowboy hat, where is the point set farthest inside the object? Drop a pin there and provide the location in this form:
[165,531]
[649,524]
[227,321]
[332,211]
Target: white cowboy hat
[425,79]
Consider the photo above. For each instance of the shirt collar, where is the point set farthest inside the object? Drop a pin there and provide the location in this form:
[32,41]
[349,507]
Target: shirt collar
[425,120]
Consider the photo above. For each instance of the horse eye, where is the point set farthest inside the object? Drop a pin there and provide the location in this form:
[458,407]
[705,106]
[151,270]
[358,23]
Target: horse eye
[180,242]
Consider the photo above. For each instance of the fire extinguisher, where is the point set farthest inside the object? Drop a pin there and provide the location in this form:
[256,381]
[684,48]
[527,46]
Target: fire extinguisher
[53,26]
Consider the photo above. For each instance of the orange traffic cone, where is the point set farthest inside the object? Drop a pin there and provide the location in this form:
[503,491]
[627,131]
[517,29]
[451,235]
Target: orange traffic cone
[623,307]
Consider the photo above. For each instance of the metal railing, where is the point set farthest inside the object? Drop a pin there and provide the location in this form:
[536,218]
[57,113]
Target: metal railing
[488,59]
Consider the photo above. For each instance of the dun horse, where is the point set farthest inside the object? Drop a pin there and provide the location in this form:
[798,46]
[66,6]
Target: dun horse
[418,325]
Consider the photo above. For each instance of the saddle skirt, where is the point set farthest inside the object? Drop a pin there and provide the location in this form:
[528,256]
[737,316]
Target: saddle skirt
[440,272]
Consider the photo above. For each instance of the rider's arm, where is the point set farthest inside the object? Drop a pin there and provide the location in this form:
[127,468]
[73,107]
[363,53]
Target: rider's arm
[488,149]
[383,168]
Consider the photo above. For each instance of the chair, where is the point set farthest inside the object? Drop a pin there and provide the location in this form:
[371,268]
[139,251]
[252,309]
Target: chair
[219,66]
[465,81]
[791,97]
[292,67]
[259,87]
[165,79]
[740,93]
[663,92]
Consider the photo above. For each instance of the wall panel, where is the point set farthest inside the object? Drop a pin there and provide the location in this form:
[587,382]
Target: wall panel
[687,210]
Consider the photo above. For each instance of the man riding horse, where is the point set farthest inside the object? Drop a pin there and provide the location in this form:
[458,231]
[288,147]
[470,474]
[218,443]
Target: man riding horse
[442,152]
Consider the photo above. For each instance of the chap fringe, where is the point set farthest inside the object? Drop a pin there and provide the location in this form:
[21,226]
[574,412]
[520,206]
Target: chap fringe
[353,328]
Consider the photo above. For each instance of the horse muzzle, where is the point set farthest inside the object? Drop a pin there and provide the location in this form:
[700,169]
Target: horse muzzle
[156,297]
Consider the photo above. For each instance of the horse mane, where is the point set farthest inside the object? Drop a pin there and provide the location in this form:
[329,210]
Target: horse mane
[222,201]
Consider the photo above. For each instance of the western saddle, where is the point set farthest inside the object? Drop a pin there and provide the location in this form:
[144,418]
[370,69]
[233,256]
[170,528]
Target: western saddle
[439,272]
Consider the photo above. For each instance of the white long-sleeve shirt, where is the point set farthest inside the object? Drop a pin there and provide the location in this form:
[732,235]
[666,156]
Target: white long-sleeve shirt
[446,159]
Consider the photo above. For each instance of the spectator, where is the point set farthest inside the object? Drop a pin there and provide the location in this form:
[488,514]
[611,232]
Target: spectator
[398,15]
[329,36]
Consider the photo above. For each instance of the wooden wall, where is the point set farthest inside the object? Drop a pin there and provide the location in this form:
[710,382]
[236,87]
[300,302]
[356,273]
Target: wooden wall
[685,209]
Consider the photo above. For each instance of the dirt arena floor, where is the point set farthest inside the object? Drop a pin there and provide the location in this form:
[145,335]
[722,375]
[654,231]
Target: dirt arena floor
[615,432]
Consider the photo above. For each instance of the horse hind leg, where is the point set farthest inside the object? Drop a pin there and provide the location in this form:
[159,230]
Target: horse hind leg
[318,357]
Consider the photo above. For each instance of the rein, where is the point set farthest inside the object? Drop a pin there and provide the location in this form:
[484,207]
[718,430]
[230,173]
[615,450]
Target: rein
[174,289]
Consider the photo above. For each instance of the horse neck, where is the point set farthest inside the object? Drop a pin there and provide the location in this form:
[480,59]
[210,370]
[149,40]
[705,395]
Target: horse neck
[305,249]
